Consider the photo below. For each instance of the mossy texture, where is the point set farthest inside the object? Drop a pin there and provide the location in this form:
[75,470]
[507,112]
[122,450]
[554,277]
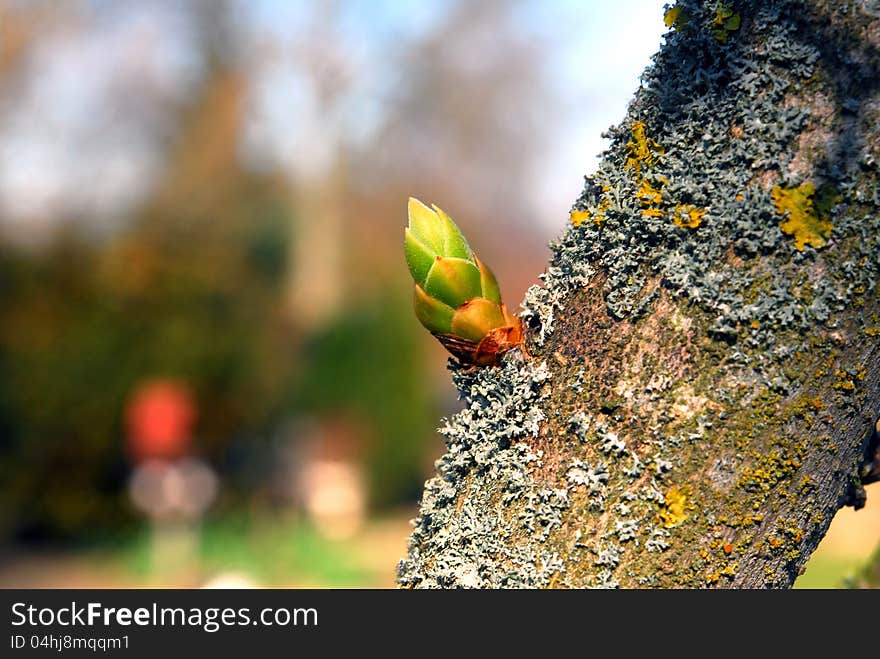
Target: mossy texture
[703,354]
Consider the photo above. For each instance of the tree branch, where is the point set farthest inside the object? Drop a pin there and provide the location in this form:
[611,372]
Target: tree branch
[701,388]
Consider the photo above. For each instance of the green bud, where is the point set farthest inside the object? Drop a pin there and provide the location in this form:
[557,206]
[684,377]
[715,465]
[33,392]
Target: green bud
[456,296]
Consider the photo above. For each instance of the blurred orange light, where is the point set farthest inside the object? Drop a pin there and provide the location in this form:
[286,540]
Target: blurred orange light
[159,417]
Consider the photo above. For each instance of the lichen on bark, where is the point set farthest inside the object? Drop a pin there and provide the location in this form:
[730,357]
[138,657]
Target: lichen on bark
[699,389]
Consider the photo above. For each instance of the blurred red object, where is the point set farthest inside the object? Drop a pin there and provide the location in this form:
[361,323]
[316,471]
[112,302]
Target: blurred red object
[159,417]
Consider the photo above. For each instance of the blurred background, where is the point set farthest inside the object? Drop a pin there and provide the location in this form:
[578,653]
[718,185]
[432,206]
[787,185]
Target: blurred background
[210,373]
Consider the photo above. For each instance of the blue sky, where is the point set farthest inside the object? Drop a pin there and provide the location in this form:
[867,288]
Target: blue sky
[596,51]
[604,47]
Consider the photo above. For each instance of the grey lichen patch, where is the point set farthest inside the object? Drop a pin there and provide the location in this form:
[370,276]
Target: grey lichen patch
[657,542]
[593,478]
[487,464]
[626,530]
[605,579]
[543,511]
[611,444]
[608,555]
[580,423]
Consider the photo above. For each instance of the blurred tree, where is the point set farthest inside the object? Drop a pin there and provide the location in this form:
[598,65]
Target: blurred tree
[267,285]
[368,365]
[460,111]
[869,575]
[190,288]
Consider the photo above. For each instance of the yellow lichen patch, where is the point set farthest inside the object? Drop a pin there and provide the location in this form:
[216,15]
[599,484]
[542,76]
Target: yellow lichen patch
[676,505]
[770,469]
[803,407]
[775,542]
[844,382]
[688,216]
[596,216]
[675,17]
[726,21]
[599,218]
[648,194]
[808,224]
[577,218]
[641,149]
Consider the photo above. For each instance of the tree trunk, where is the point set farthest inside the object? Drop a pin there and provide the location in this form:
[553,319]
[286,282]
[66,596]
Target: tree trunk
[702,374]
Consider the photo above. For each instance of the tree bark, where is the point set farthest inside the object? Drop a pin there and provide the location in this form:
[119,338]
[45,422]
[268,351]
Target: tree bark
[701,382]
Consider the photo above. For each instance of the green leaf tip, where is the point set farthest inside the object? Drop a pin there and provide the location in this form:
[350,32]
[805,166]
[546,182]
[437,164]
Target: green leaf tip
[436,231]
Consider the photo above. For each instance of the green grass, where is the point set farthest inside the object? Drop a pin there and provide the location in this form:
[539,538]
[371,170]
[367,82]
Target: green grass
[270,551]
[827,571]
[279,553]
